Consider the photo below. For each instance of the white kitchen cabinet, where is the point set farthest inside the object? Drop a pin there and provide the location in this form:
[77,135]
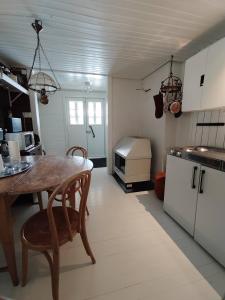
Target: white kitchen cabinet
[214,82]
[181,190]
[210,220]
[195,68]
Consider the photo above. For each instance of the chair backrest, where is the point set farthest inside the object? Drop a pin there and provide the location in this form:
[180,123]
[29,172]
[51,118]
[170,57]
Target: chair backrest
[71,151]
[68,188]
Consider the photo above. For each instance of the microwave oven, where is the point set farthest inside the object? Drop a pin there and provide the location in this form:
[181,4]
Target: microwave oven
[14,125]
[25,139]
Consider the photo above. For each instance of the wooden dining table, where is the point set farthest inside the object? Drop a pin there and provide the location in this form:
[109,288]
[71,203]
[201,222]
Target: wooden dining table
[46,172]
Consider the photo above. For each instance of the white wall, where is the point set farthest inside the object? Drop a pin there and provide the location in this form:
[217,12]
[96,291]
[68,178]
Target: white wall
[162,132]
[125,106]
[197,135]
[53,122]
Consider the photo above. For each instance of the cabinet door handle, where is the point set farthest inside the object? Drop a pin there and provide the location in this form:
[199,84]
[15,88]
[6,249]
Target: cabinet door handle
[202,173]
[193,186]
[202,78]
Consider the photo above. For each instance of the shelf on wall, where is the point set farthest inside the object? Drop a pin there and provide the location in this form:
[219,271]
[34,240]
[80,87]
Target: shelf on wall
[12,85]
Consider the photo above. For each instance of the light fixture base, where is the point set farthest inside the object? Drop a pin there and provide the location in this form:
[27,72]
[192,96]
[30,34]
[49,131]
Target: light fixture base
[37,25]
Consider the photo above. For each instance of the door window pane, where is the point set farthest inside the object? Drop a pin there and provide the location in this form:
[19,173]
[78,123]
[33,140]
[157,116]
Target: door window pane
[94,113]
[76,112]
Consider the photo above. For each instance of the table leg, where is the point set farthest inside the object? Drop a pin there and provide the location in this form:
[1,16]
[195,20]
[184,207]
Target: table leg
[6,237]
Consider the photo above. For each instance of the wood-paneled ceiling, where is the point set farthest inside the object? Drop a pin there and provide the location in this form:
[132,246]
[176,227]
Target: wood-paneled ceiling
[125,38]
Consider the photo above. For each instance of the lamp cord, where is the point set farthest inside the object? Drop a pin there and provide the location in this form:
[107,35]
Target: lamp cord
[50,66]
[34,57]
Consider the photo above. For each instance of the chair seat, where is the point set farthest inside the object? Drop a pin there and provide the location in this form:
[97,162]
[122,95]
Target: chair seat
[36,229]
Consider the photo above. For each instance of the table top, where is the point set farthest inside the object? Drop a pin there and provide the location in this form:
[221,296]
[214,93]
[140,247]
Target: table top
[46,172]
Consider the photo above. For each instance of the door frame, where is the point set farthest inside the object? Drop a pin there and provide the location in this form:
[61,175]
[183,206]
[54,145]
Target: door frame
[103,100]
[84,99]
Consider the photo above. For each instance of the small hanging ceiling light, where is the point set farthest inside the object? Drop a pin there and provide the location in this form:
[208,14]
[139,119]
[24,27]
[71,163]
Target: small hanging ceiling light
[87,86]
[41,82]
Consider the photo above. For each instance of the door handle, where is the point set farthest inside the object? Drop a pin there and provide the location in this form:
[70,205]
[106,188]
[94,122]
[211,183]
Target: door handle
[193,186]
[202,78]
[202,173]
[92,131]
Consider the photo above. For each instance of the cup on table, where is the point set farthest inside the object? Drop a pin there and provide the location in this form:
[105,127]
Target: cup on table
[14,151]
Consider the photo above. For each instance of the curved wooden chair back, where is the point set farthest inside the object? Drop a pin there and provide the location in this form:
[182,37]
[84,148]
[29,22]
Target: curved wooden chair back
[59,225]
[73,150]
[69,187]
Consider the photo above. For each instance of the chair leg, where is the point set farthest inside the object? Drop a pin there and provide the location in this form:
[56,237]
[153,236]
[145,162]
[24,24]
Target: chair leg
[24,264]
[49,259]
[87,211]
[54,268]
[40,202]
[72,199]
[55,276]
[87,247]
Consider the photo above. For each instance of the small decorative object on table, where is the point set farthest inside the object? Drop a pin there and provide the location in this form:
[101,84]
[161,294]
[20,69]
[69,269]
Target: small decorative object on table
[14,150]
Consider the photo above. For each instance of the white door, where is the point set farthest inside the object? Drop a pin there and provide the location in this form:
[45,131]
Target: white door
[181,190]
[76,122]
[86,125]
[193,75]
[95,127]
[210,220]
[214,87]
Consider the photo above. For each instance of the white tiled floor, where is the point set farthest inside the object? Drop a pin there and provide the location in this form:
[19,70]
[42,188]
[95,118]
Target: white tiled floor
[141,253]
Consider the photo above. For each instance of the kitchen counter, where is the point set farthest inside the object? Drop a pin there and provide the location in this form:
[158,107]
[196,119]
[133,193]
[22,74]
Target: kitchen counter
[207,156]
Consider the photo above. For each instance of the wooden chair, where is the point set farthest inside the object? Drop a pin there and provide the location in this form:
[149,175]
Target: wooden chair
[39,196]
[73,150]
[70,152]
[51,228]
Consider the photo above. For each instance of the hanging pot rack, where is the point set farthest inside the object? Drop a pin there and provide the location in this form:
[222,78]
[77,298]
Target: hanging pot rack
[171,89]
[171,84]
